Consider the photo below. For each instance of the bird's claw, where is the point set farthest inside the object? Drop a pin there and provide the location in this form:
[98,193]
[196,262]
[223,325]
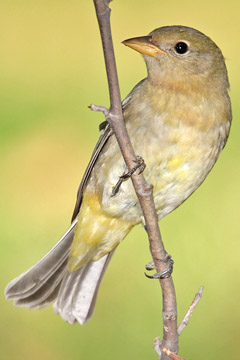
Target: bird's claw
[140,164]
[164,274]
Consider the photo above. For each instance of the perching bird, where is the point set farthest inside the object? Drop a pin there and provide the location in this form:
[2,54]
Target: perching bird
[178,119]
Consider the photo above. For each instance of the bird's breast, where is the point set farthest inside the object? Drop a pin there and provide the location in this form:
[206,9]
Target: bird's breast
[179,138]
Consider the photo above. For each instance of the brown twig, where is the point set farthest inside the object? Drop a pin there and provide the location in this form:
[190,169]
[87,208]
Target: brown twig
[144,191]
[171,354]
[189,313]
[163,350]
[102,109]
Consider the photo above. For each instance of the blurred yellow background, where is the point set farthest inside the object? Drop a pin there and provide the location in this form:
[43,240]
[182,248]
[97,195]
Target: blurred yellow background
[51,69]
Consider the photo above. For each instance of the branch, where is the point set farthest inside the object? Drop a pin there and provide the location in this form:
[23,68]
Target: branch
[189,313]
[172,355]
[143,190]
[162,350]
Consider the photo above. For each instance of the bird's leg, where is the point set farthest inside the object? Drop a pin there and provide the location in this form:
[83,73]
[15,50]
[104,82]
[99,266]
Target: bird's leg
[140,164]
[151,266]
[166,273]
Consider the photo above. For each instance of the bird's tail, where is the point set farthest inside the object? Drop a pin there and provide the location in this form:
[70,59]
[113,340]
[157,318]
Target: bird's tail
[49,280]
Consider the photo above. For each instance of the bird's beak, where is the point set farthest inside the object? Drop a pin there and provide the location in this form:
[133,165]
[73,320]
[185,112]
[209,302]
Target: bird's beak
[144,45]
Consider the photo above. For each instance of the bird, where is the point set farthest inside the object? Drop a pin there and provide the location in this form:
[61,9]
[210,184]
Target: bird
[178,119]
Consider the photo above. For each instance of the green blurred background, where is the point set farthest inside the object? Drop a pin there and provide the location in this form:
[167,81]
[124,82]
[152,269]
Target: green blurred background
[51,69]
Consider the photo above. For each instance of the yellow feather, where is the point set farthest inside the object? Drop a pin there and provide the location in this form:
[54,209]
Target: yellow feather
[96,233]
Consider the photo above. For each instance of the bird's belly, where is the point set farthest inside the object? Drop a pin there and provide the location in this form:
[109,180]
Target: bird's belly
[175,166]
[173,186]
[173,182]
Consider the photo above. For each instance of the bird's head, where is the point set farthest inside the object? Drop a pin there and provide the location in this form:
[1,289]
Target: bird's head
[179,54]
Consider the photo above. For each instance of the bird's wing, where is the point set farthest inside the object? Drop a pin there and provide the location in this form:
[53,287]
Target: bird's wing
[106,132]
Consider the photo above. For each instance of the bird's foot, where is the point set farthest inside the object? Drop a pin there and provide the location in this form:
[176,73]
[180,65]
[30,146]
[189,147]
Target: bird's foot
[164,274]
[140,164]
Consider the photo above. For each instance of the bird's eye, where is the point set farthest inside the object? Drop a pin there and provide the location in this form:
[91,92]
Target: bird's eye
[181,47]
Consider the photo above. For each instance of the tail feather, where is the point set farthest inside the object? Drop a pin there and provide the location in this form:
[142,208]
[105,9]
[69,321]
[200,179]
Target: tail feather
[49,300]
[78,292]
[29,282]
[63,304]
[43,293]
[89,288]
[49,280]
